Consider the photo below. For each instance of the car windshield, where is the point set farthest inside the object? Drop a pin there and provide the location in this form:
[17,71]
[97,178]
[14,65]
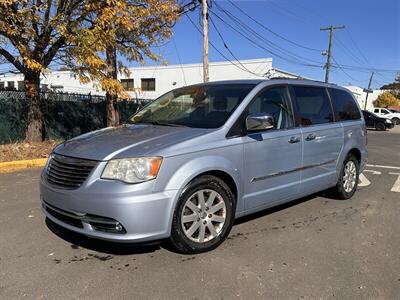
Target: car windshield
[366,113]
[199,106]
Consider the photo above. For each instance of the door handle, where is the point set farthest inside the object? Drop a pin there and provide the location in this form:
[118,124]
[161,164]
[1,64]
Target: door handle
[294,139]
[310,137]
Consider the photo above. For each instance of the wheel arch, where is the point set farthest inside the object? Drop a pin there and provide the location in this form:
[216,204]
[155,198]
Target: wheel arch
[225,177]
[356,152]
[215,165]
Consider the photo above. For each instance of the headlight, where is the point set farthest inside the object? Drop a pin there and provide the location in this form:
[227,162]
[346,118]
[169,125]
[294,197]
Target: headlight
[132,170]
[388,121]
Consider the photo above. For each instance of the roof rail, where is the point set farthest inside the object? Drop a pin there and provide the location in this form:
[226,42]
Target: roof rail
[300,78]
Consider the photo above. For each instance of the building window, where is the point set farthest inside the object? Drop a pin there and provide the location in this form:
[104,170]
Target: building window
[1,84]
[11,84]
[128,84]
[44,87]
[21,86]
[148,84]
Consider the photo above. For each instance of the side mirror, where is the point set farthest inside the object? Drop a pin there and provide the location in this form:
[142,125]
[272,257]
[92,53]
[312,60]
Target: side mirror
[259,121]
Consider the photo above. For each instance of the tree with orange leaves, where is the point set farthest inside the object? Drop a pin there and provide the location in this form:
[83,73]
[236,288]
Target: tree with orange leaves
[78,33]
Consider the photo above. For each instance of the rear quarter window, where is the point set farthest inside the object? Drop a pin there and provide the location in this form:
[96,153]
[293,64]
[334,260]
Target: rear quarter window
[344,105]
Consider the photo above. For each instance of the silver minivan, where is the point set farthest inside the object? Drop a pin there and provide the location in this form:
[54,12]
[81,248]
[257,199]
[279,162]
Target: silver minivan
[186,165]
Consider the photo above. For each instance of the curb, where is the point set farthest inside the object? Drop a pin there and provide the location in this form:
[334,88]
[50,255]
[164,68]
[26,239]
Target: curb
[11,166]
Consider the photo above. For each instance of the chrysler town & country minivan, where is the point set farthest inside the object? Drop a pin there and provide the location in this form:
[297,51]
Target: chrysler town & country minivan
[186,165]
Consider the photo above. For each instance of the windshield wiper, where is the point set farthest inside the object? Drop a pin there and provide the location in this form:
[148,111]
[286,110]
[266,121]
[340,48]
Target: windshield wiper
[167,124]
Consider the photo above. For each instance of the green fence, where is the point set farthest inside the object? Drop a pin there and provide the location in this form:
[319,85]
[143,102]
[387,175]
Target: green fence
[65,115]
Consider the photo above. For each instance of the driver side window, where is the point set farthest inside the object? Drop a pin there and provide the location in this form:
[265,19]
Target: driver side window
[274,101]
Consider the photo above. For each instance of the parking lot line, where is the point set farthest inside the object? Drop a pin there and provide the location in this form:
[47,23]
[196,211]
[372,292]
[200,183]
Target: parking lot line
[363,180]
[396,186]
[383,167]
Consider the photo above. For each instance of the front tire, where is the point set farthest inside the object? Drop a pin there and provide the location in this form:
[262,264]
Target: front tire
[203,216]
[348,178]
[396,121]
[380,127]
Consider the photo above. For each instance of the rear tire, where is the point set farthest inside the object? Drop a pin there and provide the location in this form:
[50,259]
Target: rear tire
[380,127]
[203,216]
[347,183]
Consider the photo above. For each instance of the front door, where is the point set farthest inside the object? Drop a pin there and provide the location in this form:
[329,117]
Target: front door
[272,158]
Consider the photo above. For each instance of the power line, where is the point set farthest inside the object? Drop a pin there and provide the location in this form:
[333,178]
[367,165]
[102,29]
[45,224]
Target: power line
[179,59]
[227,48]
[368,69]
[294,60]
[344,72]
[347,51]
[215,48]
[358,48]
[271,31]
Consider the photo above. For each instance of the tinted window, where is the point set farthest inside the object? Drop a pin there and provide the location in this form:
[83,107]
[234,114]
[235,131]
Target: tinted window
[274,101]
[344,105]
[313,105]
[376,110]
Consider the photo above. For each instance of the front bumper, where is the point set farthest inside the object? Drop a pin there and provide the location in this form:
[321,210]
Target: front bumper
[143,215]
[389,126]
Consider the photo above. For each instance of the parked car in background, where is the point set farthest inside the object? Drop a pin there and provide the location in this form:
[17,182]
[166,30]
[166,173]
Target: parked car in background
[384,112]
[374,121]
[200,156]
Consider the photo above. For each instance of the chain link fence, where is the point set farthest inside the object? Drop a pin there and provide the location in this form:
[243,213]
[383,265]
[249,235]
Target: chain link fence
[65,115]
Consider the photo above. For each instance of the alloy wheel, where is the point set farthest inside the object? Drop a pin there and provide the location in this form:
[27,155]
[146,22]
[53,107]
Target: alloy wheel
[203,215]
[349,176]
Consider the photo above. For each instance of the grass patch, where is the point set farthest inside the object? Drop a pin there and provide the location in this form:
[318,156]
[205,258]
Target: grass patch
[23,150]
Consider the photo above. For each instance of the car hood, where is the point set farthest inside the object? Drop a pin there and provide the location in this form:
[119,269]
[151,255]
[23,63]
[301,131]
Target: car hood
[126,141]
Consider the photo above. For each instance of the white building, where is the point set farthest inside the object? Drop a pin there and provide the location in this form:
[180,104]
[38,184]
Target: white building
[153,81]
[361,95]
[149,82]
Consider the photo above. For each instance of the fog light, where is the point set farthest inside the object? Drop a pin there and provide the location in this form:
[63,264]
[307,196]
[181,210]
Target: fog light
[118,227]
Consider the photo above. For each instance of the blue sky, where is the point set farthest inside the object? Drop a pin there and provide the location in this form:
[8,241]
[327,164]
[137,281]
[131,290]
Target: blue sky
[371,38]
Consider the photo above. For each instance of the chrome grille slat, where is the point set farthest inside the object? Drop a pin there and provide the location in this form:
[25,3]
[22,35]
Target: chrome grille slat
[62,183]
[68,172]
[61,178]
[71,167]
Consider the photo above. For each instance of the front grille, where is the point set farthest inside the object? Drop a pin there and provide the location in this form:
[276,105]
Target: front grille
[68,172]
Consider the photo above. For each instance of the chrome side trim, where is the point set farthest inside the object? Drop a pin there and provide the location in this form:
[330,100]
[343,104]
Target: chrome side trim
[292,171]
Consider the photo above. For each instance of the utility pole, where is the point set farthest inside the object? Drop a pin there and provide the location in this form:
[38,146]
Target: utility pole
[329,54]
[206,73]
[368,90]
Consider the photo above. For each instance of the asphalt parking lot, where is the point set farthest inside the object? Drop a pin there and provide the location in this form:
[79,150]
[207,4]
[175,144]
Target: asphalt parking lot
[313,248]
